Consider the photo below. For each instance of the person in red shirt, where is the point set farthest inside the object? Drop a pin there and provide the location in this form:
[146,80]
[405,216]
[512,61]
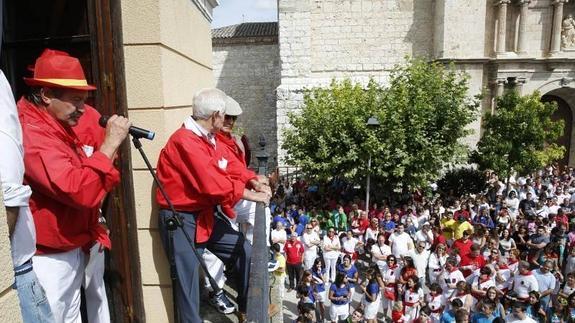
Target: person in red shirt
[463,245]
[68,179]
[193,169]
[294,260]
[472,261]
[245,210]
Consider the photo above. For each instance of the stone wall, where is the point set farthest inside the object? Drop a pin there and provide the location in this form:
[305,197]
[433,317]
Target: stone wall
[168,57]
[250,74]
[8,298]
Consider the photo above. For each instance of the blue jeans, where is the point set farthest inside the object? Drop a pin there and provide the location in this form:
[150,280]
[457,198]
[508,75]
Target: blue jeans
[33,302]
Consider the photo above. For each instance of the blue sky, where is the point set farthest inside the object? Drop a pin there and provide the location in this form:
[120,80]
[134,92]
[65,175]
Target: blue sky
[231,12]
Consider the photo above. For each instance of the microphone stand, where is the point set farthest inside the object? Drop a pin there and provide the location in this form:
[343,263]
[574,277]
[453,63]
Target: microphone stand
[172,224]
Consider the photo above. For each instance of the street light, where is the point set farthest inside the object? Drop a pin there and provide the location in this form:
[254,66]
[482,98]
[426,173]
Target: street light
[262,156]
[372,122]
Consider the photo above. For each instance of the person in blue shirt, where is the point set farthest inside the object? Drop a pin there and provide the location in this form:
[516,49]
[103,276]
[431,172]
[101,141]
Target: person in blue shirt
[371,300]
[449,315]
[486,314]
[350,271]
[484,219]
[318,273]
[339,295]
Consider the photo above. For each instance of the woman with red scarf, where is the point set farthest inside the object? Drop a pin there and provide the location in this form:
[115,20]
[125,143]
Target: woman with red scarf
[391,276]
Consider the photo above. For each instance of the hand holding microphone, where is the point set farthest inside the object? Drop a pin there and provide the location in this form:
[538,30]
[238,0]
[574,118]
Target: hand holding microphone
[117,128]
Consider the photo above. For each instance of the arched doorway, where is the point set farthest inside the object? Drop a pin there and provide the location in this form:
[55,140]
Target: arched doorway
[565,113]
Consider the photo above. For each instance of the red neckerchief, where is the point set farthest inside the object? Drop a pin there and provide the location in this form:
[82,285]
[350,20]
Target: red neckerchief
[461,293]
[513,262]
[529,273]
[503,266]
[229,141]
[481,280]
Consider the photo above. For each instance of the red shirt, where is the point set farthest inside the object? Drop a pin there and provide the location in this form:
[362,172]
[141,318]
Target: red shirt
[189,168]
[237,167]
[67,185]
[294,252]
[464,247]
[467,260]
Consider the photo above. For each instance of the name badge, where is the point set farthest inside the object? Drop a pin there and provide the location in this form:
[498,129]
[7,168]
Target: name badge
[88,150]
[223,164]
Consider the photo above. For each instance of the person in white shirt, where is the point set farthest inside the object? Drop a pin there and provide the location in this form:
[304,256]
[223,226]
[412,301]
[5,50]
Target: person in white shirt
[33,303]
[450,277]
[512,204]
[279,236]
[518,314]
[331,252]
[311,241]
[425,235]
[420,258]
[380,251]
[524,282]
[349,243]
[401,242]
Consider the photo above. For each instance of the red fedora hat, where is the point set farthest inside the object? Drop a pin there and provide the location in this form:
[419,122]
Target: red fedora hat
[58,69]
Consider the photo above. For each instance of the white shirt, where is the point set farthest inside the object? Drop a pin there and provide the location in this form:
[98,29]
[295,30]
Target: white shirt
[512,319]
[523,284]
[332,244]
[400,243]
[420,261]
[279,235]
[308,239]
[349,244]
[11,175]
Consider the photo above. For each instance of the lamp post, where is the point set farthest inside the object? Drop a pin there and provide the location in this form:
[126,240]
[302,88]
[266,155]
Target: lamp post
[372,122]
[262,156]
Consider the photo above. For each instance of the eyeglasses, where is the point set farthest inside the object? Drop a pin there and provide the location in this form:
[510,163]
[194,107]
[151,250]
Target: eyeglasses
[233,118]
[310,227]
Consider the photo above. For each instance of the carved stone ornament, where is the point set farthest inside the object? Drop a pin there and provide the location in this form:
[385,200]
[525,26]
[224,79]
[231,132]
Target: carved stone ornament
[568,33]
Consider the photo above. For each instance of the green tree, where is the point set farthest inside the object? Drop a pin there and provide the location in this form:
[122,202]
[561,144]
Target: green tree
[422,114]
[519,136]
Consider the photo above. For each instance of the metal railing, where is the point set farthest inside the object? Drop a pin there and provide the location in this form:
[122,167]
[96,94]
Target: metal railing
[259,287]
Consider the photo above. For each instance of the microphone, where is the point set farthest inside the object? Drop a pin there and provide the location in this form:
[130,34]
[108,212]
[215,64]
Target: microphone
[134,131]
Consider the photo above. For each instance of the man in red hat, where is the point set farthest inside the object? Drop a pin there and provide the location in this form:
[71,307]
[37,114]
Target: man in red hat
[69,176]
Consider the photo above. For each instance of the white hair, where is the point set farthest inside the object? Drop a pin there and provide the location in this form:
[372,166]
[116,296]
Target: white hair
[207,101]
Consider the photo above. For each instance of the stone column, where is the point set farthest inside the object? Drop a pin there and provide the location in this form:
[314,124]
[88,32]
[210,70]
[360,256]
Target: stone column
[557,21]
[521,43]
[502,25]
[519,83]
[501,81]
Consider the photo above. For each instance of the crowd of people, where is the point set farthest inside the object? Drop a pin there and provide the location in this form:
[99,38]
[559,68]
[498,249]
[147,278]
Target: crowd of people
[504,254]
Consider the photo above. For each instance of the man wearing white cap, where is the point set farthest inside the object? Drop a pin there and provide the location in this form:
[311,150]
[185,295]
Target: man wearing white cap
[244,209]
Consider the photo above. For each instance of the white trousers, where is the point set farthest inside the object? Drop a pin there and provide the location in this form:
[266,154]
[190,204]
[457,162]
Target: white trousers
[244,221]
[62,275]
[94,288]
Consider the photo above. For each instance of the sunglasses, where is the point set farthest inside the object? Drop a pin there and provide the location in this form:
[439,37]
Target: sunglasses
[233,118]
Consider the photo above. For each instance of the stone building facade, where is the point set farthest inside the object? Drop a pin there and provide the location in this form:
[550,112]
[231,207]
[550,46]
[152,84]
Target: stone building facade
[246,67]
[526,44]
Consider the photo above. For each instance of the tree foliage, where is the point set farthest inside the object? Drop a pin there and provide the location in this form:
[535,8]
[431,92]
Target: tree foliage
[422,113]
[519,135]
[463,181]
